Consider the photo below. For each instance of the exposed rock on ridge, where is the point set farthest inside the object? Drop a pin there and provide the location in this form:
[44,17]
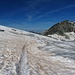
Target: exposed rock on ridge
[61,28]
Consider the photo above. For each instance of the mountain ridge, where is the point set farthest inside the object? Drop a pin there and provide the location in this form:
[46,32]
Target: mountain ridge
[61,27]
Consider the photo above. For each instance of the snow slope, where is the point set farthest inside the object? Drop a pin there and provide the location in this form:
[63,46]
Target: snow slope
[25,53]
[68,36]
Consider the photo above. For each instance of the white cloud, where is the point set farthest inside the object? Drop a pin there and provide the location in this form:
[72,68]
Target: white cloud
[50,12]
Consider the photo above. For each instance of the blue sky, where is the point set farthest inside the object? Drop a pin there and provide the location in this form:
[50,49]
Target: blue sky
[37,15]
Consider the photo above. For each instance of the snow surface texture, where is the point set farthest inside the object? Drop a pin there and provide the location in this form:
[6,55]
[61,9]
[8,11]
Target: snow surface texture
[25,53]
[67,37]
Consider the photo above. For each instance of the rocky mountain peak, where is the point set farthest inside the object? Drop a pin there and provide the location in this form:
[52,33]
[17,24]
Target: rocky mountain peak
[61,27]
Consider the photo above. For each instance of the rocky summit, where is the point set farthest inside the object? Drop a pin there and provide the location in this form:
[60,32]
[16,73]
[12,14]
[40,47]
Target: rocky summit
[61,27]
[25,53]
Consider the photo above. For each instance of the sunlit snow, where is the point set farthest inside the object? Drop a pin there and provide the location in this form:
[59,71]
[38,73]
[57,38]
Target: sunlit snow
[25,53]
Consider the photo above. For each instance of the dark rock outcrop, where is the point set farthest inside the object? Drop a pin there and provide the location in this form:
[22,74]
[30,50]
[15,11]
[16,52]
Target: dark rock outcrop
[61,27]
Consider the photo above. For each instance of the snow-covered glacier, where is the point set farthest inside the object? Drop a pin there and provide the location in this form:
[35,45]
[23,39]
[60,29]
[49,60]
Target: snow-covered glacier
[25,53]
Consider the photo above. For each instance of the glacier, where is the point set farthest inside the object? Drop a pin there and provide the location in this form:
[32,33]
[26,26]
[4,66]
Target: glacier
[25,53]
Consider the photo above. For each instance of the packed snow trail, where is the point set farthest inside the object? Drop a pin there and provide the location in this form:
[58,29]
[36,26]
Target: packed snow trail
[22,65]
